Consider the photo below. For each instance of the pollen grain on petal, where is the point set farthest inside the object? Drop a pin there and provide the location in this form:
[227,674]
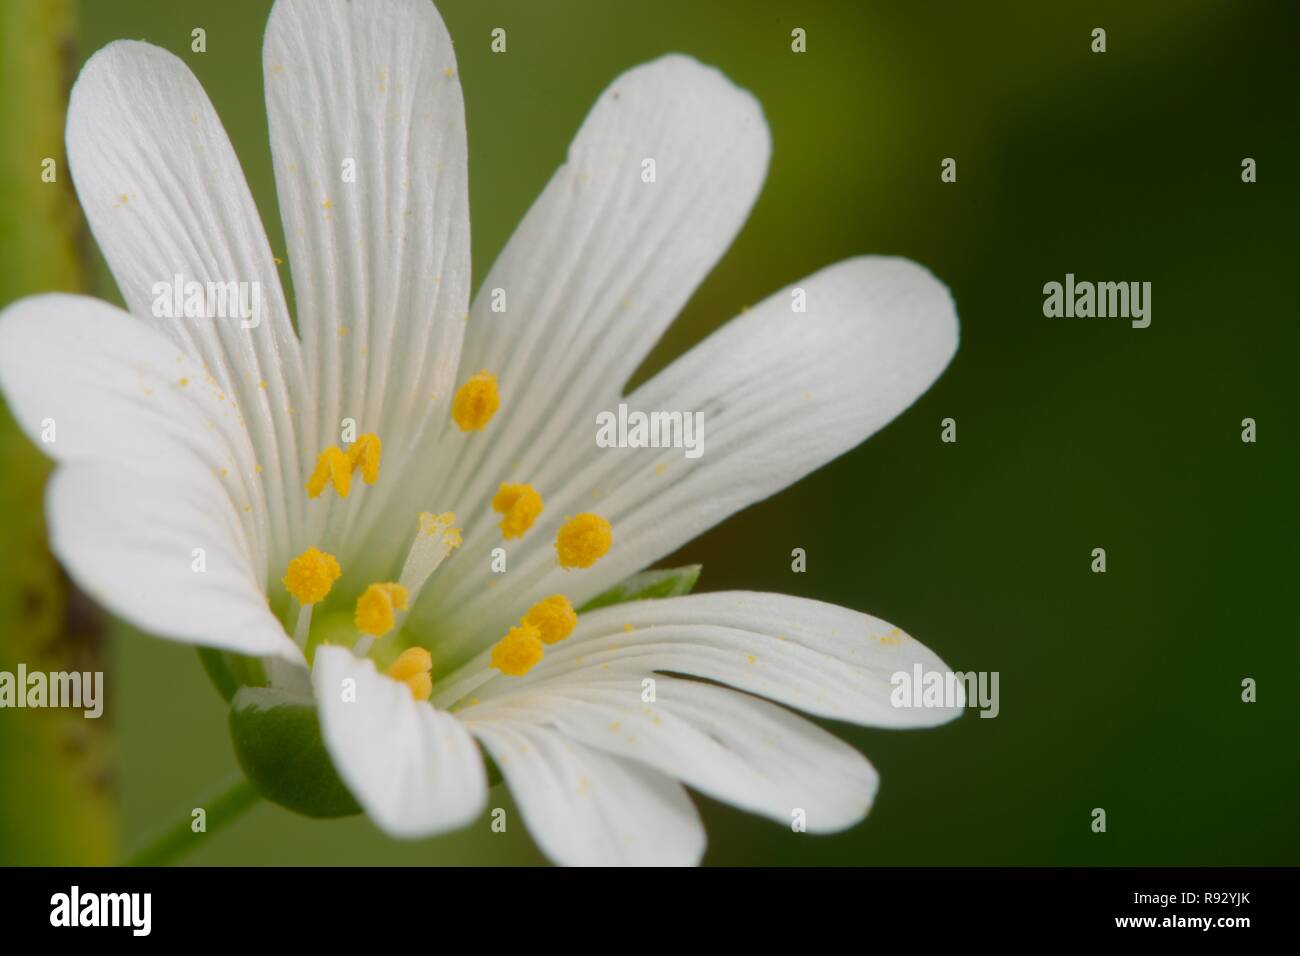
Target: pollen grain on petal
[310,576]
[375,608]
[365,454]
[333,467]
[519,505]
[583,540]
[413,668]
[476,402]
[553,617]
[518,652]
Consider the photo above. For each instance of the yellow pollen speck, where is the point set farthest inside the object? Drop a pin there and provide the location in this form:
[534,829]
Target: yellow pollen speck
[375,608]
[629,628]
[277,68]
[553,617]
[583,540]
[343,331]
[310,576]
[432,524]
[519,505]
[751,658]
[661,468]
[258,469]
[328,204]
[262,384]
[449,73]
[413,668]
[365,453]
[332,467]
[277,260]
[476,402]
[518,652]
[182,382]
[224,472]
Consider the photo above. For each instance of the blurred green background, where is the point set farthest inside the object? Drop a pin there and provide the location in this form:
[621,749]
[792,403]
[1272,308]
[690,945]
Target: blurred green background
[1119,690]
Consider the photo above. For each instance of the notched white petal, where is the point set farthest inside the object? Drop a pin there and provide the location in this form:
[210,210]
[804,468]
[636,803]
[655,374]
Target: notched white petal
[817,657]
[415,770]
[587,808]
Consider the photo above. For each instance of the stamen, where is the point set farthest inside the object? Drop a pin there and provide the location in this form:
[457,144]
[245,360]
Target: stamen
[332,467]
[583,540]
[310,576]
[434,540]
[519,505]
[375,607]
[476,402]
[302,629]
[413,668]
[365,454]
[553,617]
[518,652]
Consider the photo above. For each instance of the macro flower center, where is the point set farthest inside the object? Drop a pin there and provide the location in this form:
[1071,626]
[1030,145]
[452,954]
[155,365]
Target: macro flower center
[382,607]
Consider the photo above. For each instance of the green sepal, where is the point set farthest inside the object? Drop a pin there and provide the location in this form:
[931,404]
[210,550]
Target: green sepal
[216,664]
[278,743]
[663,583]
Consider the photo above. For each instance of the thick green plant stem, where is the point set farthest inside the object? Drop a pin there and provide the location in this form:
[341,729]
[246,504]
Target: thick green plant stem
[57,803]
[181,838]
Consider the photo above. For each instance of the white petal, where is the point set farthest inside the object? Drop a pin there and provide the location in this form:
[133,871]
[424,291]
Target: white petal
[586,808]
[600,266]
[414,770]
[133,541]
[165,196]
[781,394]
[88,382]
[380,265]
[817,657]
[156,470]
[739,749]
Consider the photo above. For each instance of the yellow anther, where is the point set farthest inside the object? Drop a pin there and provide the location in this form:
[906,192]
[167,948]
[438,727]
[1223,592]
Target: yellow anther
[364,454]
[553,617]
[375,608]
[412,661]
[519,505]
[421,686]
[310,576]
[413,668]
[518,652]
[476,402]
[583,540]
[332,467]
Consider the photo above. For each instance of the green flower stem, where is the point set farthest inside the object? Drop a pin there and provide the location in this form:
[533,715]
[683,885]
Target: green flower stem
[180,838]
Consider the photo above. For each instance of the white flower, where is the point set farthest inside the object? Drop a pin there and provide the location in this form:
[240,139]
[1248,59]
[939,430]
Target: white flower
[187,444]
